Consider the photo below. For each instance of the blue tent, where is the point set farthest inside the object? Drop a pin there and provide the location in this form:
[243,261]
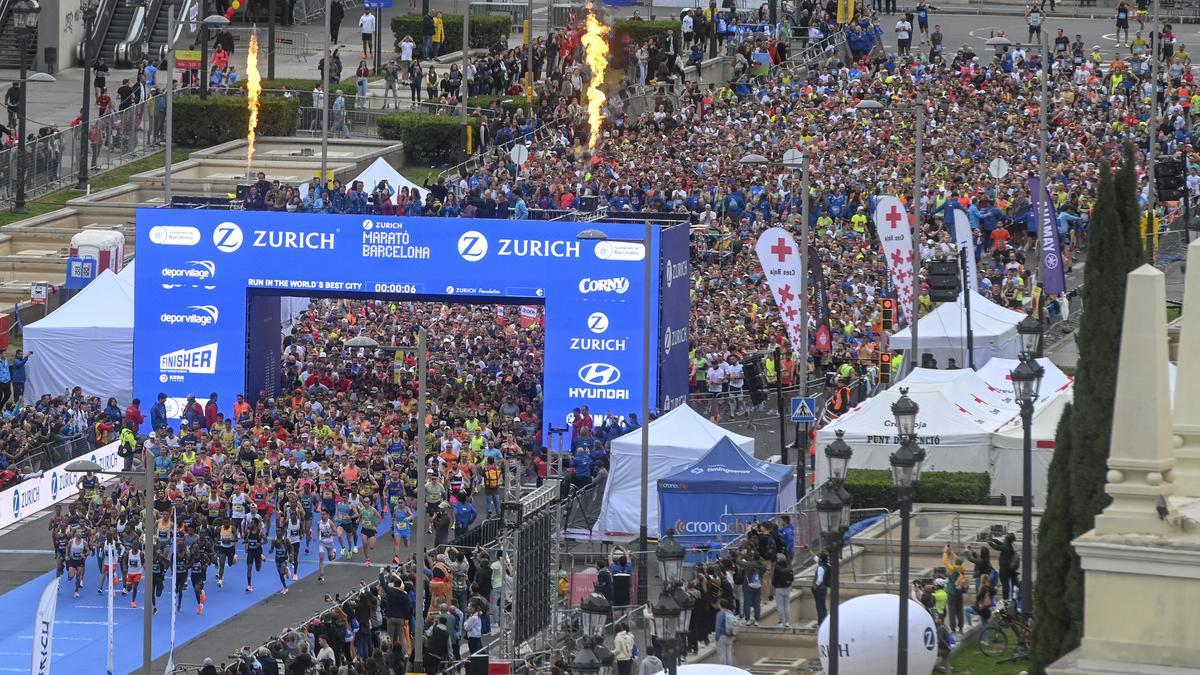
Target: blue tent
[711,501]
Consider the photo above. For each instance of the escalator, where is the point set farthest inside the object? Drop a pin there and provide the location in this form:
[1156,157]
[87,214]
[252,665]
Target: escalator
[11,42]
[157,15]
[122,44]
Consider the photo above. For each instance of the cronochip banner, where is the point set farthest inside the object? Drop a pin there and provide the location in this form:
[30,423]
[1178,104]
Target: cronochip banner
[782,263]
[895,231]
[237,265]
[33,495]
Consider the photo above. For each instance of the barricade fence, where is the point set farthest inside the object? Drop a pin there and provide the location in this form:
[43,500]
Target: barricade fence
[47,455]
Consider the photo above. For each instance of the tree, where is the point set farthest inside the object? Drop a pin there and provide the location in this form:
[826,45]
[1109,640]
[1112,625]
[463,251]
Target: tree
[1075,494]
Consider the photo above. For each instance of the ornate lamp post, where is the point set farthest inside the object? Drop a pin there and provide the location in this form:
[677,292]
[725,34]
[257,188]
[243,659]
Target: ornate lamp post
[1030,331]
[906,472]
[24,15]
[1027,381]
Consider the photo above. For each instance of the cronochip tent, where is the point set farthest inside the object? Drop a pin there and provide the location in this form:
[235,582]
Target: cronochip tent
[87,342]
[697,500]
[680,436]
[943,333]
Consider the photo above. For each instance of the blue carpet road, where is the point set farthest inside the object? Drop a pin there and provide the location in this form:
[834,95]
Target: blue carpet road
[80,625]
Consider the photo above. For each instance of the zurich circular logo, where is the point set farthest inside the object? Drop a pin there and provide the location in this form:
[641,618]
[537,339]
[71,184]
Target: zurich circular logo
[54,485]
[227,237]
[1051,261]
[450,290]
[472,246]
[368,224]
[598,322]
[16,503]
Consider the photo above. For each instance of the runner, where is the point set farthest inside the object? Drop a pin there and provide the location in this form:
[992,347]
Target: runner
[370,521]
[200,561]
[1122,23]
[134,565]
[77,552]
[254,552]
[325,543]
[402,520]
[226,549]
[283,556]
[293,529]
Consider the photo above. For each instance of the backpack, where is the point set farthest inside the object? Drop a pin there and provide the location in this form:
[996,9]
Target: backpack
[491,476]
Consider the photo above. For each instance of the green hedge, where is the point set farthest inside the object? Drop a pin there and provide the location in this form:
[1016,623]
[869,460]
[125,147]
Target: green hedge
[508,103]
[218,119]
[427,138]
[872,488]
[630,31]
[486,31]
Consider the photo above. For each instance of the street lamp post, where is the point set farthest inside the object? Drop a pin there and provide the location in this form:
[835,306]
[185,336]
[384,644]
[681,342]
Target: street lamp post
[88,466]
[647,277]
[906,472]
[1027,381]
[24,15]
[666,624]
[833,507]
[1030,331]
[668,611]
[792,160]
[89,19]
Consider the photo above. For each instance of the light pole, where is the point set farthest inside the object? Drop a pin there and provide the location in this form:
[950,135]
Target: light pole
[647,277]
[89,19]
[906,471]
[326,67]
[833,507]
[596,612]
[168,123]
[24,15]
[88,466]
[918,109]
[669,612]
[793,159]
[1027,382]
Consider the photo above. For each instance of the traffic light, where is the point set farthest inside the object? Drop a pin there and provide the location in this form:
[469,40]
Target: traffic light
[1169,180]
[944,282]
[889,312]
[885,368]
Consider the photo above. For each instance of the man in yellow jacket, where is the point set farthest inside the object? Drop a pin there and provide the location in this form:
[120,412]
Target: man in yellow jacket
[439,34]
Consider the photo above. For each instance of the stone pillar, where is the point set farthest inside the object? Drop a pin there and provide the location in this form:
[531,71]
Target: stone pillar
[1186,412]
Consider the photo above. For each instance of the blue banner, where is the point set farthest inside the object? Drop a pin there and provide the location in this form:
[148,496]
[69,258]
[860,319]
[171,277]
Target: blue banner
[699,518]
[197,270]
[1054,278]
[675,343]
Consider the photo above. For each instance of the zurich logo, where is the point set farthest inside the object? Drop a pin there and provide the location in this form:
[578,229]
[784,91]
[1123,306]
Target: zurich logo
[16,503]
[597,322]
[472,246]
[227,237]
[54,485]
[599,374]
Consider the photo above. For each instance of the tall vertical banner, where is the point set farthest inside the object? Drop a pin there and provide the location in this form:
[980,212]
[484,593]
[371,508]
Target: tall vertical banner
[174,580]
[1054,278]
[895,232]
[822,337]
[962,237]
[845,11]
[110,552]
[782,264]
[43,629]
[675,290]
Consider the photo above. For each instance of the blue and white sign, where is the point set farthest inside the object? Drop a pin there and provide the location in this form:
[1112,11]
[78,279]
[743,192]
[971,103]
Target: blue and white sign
[377,4]
[80,272]
[243,262]
[804,409]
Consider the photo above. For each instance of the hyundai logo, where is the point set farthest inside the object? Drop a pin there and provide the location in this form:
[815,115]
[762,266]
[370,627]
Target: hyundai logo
[472,246]
[599,374]
[227,237]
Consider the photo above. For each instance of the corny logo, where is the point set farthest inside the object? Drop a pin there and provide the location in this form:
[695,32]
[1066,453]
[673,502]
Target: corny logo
[197,315]
[618,285]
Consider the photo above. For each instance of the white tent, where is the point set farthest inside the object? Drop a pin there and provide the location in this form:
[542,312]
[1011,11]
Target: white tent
[680,436]
[1007,458]
[943,333]
[87,342]
[125,276]
[379,170]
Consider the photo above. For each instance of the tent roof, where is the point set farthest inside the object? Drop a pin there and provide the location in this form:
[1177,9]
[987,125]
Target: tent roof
[948,321]
[680,427]
[728,468]
[125,276]
[381,170]
[945,412]
[104,303]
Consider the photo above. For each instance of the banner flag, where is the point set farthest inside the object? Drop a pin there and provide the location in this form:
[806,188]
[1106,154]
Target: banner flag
[822,338]
[1054,277]
[964,239]
[782,264]
[110,552]
[895,232]
[43,629]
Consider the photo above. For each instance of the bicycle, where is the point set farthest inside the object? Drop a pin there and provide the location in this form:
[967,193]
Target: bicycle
[1003,627]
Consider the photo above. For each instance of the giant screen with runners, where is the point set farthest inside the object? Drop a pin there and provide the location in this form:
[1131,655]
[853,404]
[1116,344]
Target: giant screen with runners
[209,284]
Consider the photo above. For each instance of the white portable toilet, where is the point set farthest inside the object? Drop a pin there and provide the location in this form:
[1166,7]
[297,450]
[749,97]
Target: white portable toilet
[106,247]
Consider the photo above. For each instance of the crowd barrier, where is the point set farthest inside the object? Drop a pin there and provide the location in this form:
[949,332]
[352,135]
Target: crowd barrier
[53,486]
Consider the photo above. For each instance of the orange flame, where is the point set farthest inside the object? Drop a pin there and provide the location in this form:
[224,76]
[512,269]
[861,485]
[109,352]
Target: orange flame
[253,94]
[595,47]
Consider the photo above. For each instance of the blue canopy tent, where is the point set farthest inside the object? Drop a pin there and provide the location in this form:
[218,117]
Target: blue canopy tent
[708,502]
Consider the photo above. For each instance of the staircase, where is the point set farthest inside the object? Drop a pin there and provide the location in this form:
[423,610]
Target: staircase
[11,42]
[123,16]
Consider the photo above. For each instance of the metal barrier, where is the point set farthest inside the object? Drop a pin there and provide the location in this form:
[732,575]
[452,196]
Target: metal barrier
[287,42]
[519,11]
[52,453]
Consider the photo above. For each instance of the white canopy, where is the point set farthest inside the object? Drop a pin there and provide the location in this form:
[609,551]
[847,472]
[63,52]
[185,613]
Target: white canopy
[943,333]
[1008,445]
[87,343]
[962,414]
[379,170]
[680,436]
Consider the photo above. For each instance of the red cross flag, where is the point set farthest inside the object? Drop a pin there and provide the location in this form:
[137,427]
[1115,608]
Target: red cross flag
[895,231]
[783,264]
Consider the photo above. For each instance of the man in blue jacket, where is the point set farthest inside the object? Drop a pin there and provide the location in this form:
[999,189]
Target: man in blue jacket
[17,372]
[158,413]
